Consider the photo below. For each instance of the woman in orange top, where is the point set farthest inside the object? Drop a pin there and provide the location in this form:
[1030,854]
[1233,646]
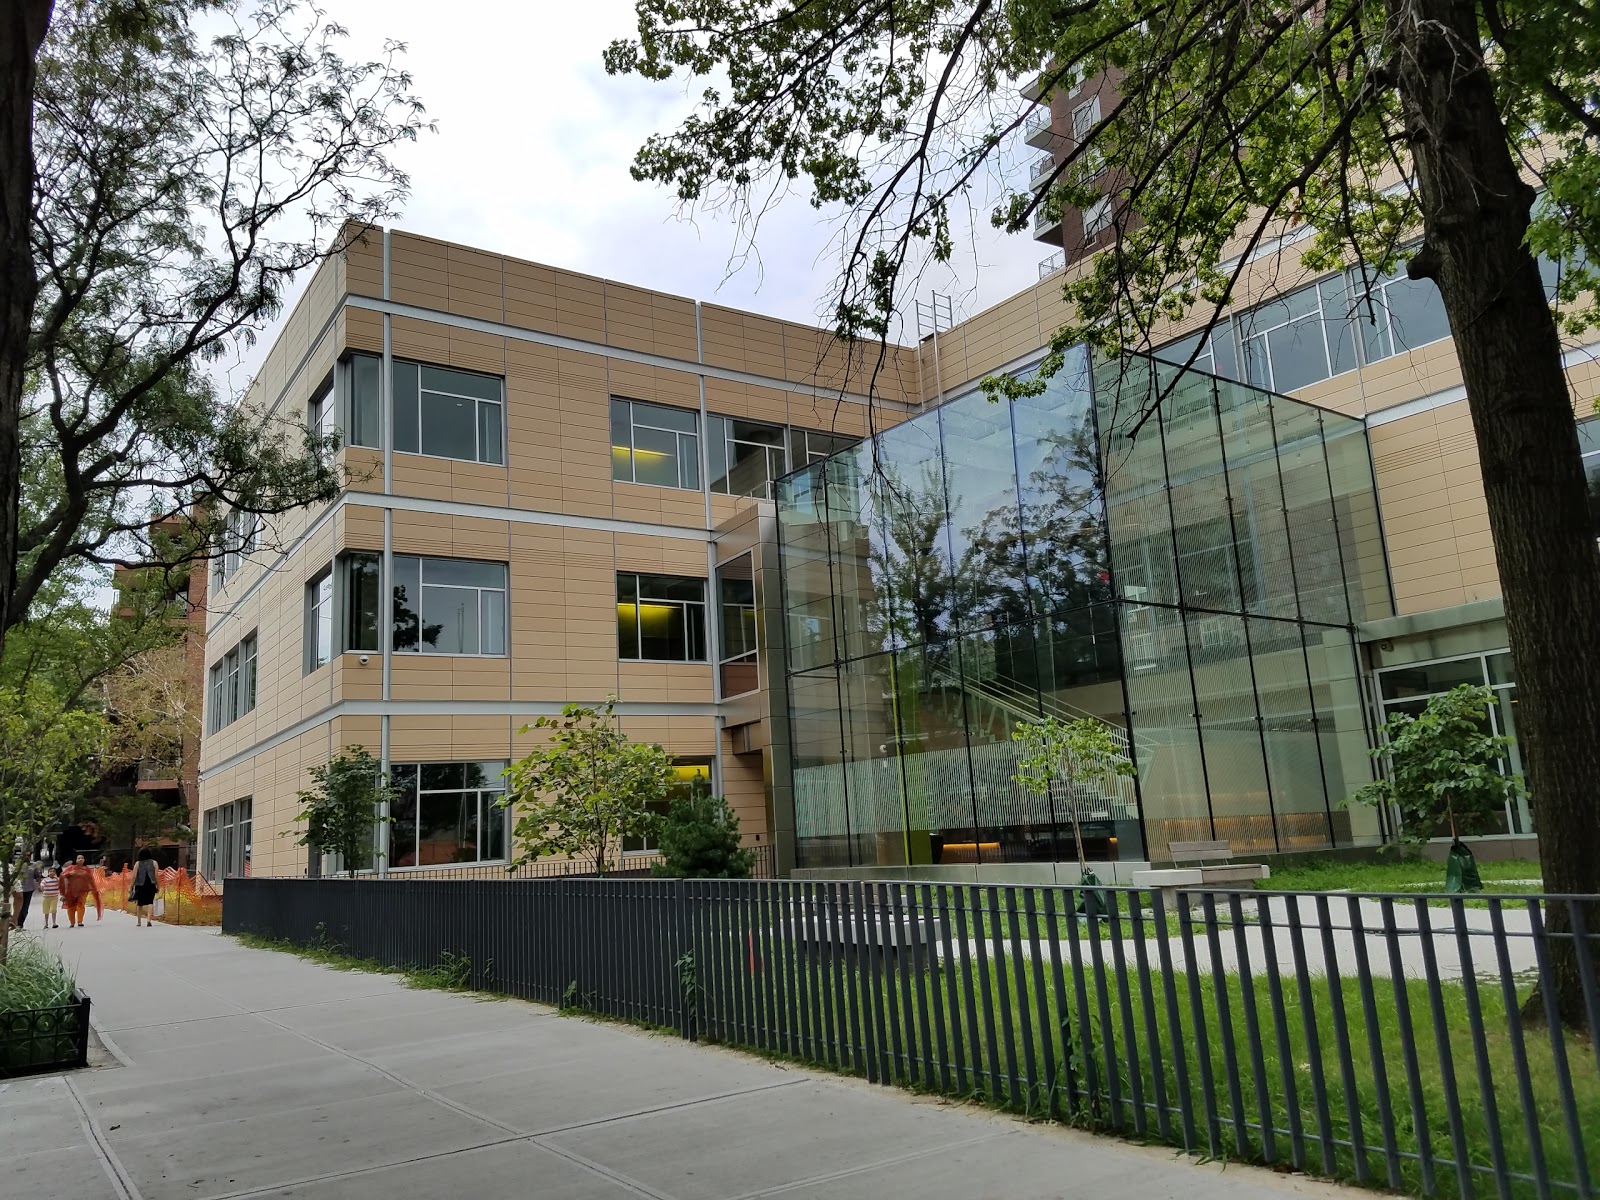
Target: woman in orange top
[77,885]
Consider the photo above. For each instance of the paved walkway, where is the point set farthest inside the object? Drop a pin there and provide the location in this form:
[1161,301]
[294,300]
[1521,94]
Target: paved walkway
[254,1073]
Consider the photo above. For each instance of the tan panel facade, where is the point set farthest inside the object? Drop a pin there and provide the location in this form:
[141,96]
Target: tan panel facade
[528,491]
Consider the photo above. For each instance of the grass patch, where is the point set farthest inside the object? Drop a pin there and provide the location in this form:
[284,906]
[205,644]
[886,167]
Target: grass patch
[452,973]
[1410,876]
[33,977]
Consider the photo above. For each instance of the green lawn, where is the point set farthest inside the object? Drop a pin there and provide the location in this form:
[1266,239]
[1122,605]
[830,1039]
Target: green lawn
[1054,1037]
[1396,875]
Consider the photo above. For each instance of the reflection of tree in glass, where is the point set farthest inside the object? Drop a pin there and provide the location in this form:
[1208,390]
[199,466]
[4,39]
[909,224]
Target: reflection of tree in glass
[409,631]
[914,590]
[1058,551]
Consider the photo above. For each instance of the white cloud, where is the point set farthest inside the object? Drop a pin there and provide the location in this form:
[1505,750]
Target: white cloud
[533,150]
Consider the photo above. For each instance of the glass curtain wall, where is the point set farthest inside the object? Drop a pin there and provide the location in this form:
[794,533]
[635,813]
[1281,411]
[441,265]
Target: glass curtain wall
[1165,552]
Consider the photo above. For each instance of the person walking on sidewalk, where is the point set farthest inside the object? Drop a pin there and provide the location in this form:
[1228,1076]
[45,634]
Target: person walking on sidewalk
[144,888]
[27,881]
[77,885]
[49,898]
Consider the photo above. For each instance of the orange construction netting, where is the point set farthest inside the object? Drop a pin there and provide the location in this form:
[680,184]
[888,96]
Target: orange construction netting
[185,899]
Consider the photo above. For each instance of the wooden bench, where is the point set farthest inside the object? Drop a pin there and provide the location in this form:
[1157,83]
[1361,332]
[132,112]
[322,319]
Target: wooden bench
[1216,871]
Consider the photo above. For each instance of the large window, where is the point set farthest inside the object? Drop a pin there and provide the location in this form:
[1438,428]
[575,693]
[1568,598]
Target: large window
[807,446]
[320,418]
[363,373]
[447,813]
[358,575]
[661,618]
[319,620]
[1097,217]
[736,602]
[233,685]
[448,413]
[1408,689]
[654,444]
[746,456]
[241,532]
[1298,339]
[686,777]
[1394,313]
[448,606]
[1215,357]
[225,841]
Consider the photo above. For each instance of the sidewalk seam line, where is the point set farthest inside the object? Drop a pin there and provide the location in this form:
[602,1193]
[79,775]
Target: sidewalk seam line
[121,1183]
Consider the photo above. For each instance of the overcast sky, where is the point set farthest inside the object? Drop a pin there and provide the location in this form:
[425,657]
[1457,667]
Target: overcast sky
[532,154]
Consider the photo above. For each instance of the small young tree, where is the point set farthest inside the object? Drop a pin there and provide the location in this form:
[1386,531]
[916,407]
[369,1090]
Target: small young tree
[343,807]
[587,788]
[1063,761]
[699,839]
[48,758]
[1444,767]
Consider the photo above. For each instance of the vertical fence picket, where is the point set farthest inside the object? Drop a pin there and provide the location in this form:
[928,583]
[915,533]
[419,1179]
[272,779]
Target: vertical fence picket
[1002,983]
[1152,1026]
[1200,1029]
[1313,1037]
[906,973]
[950,1009]
[1022,966]
[1060,1029]
[1080,994]
[1130,1035]
[1180,1044]
[964,969]
[1252,1028]
[1519,1051]
[1341,1039]
[889,990]
[1041,1008]
[1441,1035]
[1480,1049]
[924,958]
[1224,999]
[1408,1048]
[1558,1050]
[991,1041]
[1375,1048]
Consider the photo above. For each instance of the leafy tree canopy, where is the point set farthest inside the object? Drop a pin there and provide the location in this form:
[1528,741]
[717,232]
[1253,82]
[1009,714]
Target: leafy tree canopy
[172,166]
[1444,767]
[49,756]
[587,788]
[343,806]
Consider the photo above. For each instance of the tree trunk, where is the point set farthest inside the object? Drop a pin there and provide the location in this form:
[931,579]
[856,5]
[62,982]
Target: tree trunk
[1475,210]
[22,30]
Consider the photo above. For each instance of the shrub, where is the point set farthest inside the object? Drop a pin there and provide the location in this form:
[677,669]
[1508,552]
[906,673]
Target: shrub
[33,977]
[699,839]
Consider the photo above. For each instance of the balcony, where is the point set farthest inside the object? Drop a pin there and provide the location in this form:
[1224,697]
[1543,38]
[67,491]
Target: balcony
[1043,168]
[1037,131]
[1034,88]
[157,776]
[1049,266]
[1046,228]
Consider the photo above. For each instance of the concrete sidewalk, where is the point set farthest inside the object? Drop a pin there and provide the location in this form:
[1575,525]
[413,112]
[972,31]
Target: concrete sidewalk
[254,1073]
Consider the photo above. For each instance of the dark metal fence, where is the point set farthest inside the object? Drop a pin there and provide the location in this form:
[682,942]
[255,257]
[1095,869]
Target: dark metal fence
[1377,1038]
[45,1039]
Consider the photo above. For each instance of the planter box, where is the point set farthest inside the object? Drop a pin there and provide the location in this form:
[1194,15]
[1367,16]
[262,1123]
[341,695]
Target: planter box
[45,1039]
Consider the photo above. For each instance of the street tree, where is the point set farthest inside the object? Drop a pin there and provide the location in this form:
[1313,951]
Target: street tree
[1444,771]
[586,789]
[1397,132]
[1073,766]
[49,756]
[349,798]
[167,168]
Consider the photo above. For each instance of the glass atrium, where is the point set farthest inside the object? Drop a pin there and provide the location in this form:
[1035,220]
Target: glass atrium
[1192,578]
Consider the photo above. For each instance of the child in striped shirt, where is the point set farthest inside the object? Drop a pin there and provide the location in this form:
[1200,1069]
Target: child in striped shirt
[50,897]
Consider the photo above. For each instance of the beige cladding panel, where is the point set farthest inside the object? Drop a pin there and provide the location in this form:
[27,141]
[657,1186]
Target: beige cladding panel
[363,263]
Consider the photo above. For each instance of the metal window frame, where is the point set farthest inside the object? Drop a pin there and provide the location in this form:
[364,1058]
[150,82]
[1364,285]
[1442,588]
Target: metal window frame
[640,598]
[480,792]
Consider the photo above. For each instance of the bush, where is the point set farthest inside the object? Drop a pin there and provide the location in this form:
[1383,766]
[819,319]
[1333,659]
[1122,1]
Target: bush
[33,977]
[699,839]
